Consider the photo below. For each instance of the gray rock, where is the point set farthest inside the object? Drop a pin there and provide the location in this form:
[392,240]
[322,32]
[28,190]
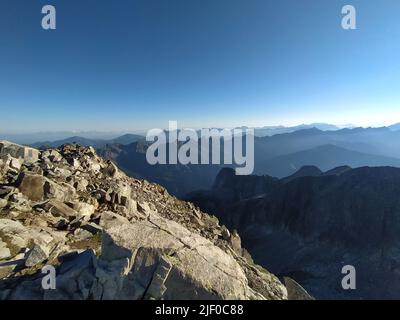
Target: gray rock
[60,209]
[59,191]
[81,234]
[84,209]
[198,269]
[52,155]
[18,151]
[35,256]
[296,291]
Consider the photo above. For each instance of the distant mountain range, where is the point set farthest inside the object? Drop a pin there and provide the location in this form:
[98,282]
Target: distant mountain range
[278,155]
[34,138]
[273,130]
[96,143]
[325,157]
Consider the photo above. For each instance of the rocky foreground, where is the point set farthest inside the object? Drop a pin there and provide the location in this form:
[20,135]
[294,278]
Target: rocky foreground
[113,237]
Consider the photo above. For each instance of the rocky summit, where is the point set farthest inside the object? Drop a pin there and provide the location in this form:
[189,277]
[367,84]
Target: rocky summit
[110,236]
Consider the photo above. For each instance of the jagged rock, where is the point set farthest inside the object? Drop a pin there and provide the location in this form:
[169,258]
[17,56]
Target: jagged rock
[102,196]
[296,291]
[61,224]
[35,256]
[226,235]
[11,162]
[15,233]
[144,208]
[235,242]
[92,228]
[18,151]
[81,184]
[82,234]
[17,236]
[80,268]
[60,209]
[61,191]
[84,209]
[52,155]
[111,170]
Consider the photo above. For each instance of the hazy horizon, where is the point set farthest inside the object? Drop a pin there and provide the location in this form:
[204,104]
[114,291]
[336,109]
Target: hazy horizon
[42,136]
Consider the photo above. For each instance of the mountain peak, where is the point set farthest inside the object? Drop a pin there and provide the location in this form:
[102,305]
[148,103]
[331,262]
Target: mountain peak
[304,171]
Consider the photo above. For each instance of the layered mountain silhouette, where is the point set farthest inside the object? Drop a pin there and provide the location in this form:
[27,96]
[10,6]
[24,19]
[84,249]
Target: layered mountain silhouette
[97,143]
[311,226]
[279,155]
[274,130]
[325,157]
[379,141]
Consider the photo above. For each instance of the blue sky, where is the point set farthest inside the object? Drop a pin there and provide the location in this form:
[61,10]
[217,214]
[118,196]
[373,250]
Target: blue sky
[135,64]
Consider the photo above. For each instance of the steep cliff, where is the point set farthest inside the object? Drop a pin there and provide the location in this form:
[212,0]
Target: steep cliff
[309,227]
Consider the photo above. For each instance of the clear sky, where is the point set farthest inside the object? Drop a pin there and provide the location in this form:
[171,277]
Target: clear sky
[135,64]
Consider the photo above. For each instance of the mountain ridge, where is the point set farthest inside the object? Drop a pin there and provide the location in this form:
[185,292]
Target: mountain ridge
[311,226]
[110,236]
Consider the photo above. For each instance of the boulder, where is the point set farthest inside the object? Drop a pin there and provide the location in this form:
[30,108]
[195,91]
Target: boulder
[60,209]
[18,237]
[60,191]
[12,163]
[52,155]
[169,262]
[31,185]
[18,151]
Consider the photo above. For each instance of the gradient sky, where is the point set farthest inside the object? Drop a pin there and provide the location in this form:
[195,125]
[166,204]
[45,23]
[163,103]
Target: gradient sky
[135,64]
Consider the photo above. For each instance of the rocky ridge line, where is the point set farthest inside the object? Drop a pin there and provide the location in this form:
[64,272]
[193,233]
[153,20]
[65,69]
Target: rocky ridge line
[112,236]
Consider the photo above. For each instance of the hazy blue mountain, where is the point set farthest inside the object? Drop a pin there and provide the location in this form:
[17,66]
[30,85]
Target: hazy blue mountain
[126,139]
[395,127]
[324,157]
[274,130]
[178,179]
[78,140]
[32,138]
[96,143]
[379,141]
